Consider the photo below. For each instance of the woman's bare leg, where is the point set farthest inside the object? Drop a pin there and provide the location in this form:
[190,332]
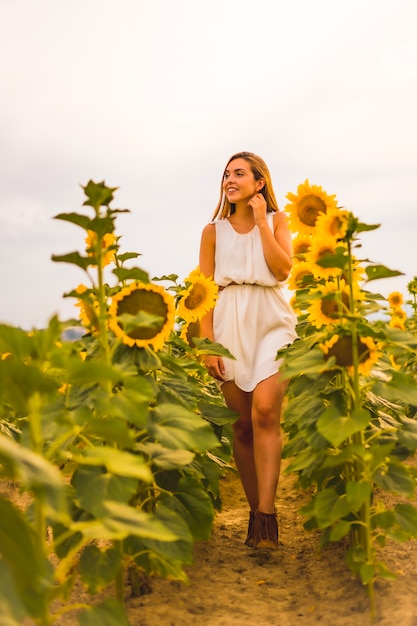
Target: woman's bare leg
[266,416]
[243,451]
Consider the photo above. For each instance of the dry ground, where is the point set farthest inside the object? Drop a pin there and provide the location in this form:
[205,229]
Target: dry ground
[233,585]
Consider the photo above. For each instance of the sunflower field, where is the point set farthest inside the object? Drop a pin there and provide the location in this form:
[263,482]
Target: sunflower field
[350,420]
[118,436]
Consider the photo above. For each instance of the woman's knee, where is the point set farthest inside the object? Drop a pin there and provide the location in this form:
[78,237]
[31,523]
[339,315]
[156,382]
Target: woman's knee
[265,416]
[242,430]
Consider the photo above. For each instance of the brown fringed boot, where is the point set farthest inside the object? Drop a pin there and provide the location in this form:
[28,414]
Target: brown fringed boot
[249,538]
[265,531]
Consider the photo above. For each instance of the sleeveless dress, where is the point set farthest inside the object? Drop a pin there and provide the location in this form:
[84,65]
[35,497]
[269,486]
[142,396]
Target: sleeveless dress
[252,318]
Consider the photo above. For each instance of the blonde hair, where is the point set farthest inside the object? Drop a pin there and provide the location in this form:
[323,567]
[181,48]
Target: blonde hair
[260,170]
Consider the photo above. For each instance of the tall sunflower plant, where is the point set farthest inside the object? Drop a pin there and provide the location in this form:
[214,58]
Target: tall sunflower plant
[112,426]
[350,421]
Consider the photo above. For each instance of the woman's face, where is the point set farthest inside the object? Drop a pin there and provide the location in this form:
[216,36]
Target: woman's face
[239,183]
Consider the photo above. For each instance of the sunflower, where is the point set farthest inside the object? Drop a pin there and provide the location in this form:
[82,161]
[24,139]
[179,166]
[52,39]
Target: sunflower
[108,241]
[323,247]
[198,297]
[334,222]
[412,286]
[143,298]
[89,307]
[307,206]
[395,300]
[301,245]
[330,303]
[397,322]
[301,276]
[341,348]
[190,330]
[294,305]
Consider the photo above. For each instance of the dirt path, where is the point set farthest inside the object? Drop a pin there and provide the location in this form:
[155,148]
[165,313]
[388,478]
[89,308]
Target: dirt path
[233,585]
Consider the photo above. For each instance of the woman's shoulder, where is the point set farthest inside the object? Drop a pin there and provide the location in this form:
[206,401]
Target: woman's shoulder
[209,231]
[279,218]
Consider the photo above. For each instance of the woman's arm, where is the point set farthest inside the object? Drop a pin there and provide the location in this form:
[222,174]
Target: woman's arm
[277,245]
[214,364]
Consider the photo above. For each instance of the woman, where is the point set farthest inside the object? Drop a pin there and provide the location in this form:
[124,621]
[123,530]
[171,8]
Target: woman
[247,249]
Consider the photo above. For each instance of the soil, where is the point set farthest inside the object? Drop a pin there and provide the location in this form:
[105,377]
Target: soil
[233,585]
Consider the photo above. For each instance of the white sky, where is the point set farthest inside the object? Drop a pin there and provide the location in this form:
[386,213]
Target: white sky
[154,96]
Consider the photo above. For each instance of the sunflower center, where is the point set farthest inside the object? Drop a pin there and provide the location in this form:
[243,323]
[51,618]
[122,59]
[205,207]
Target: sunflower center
[330,306]
[300,276]
[309,208]
[196,296]
[302,247]
[148,301]
[336,225]
[342,350]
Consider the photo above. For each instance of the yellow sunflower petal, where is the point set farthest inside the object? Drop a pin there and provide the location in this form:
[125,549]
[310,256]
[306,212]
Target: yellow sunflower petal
[301,276]
[108,241]
[333,223]
[395,299]
[321,247]
[301,245]
[198,298]
[306,206]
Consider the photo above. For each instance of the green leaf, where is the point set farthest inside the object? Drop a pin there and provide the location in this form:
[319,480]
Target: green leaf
[384,520]
[12,609]
[406,517]
[359,227]
[36,474]
[131,521]
[98,568]
[133,273]
[197,508]
[336,427]
[333,260]
[308,363]
[108,613]
[396,479]
[367,573]
[217,413]
[176,427]
[92,372]
[30,569]
[74,258]
[98,194]
[375,272]
[165,458]
[329,507]
[93,486]
[179,551]
[401,388]
[205,346]
[339,530]
[75,218]
[357,493]
[117,462]
[126,256]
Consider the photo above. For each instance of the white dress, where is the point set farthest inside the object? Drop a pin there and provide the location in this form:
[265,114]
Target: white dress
[252,319]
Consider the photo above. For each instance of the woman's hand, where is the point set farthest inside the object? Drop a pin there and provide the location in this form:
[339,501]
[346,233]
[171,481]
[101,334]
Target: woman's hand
[258,206]
[215,366]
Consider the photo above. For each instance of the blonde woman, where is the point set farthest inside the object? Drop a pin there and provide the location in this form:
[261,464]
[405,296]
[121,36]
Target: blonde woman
[247,249]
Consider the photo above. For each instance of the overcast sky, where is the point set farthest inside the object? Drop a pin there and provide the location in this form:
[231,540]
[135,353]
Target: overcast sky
[154,96]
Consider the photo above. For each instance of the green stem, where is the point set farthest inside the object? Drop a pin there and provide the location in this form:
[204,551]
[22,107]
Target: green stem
[358,438]
[119,579]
